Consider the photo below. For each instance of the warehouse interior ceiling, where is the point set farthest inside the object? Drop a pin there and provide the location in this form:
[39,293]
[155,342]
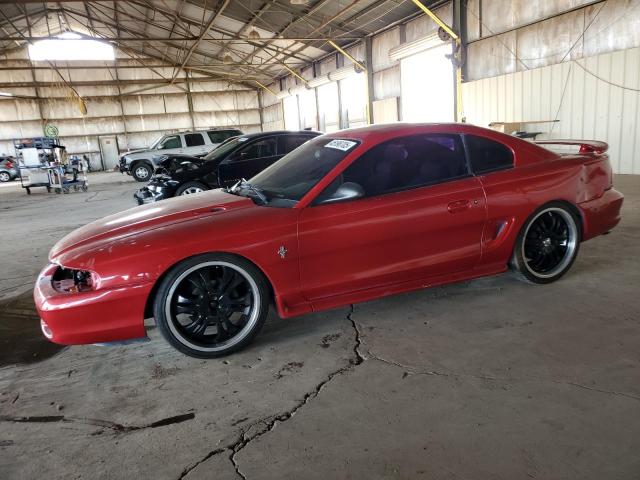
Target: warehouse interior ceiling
[246,41]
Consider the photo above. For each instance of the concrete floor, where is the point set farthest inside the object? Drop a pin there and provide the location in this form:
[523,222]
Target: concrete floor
[488,379]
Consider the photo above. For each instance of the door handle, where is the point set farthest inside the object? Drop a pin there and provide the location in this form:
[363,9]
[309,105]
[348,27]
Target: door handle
[458,206]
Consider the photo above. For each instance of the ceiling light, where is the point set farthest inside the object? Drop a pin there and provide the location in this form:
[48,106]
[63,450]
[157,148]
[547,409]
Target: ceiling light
[298,2]
[6,94]
[253,34]
[227,59]
[71,46]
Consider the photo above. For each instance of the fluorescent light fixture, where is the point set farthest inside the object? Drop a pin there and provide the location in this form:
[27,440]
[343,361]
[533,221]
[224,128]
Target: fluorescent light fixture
[6,94]
[70,46]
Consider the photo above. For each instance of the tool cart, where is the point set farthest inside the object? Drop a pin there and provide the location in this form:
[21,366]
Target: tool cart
[43,163]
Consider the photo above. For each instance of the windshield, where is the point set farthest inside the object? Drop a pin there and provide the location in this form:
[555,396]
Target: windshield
[297,172]
[156,142]
[225,148]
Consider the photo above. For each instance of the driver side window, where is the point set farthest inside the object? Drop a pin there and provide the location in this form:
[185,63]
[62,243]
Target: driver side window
[170,142]
[405,163]
[258,149]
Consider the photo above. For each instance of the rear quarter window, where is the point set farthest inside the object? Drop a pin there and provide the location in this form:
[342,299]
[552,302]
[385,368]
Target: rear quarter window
[288,143]
[487,155]
[221,136]
[194,139]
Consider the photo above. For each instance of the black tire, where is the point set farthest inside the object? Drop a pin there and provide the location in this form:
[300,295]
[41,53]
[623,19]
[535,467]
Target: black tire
[191,303]
[190,188]
[551,237]
[141,171]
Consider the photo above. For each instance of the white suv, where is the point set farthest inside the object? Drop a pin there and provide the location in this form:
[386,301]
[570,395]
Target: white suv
[140,163]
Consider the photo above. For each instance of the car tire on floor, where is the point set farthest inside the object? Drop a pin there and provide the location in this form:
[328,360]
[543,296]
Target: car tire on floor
[141,171]
[211,305]
[547,244]
[190,188]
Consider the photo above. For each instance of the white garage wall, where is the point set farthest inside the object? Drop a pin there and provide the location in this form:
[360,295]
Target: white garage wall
[600,102]
[136,119]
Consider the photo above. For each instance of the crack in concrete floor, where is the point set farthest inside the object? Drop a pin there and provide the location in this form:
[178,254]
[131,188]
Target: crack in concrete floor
[267,424]
[106,424]
[408,370]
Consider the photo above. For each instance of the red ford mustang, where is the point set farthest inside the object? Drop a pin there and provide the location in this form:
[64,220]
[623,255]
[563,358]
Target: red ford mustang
[345,218]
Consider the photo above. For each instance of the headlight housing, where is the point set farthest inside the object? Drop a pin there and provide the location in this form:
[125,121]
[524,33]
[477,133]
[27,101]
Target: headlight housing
[67,280]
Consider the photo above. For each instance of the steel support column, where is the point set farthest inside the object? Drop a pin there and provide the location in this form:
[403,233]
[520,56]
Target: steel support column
[368,60]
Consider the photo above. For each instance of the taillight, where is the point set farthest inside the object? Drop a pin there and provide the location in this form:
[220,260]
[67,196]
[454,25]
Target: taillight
[9,164]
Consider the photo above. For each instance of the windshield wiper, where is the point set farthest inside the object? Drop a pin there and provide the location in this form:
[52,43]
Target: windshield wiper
[243,184]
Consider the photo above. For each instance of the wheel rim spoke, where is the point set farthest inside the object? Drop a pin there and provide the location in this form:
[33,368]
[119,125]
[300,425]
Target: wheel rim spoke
[212,305]
[548,243]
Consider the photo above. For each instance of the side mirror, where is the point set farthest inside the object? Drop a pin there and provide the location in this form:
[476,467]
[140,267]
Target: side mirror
[346,191]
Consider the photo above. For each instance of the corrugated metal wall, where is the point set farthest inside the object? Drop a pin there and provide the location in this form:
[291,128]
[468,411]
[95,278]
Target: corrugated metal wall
[136,119]
[593,98]
[524,34]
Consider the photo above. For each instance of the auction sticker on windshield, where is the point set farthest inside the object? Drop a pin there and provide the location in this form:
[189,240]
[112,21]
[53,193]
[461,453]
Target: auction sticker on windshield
[343,145]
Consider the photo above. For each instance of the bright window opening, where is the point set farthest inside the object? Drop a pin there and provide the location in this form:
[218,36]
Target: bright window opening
[328,107]
[70,46]
[427,86]
[307,104]
[354,100]
[291,113]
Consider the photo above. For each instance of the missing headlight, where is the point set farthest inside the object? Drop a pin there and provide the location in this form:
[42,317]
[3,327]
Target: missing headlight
[72,281]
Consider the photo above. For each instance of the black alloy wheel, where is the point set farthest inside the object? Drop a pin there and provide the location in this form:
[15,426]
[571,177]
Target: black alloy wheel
[548,244]
[211,305]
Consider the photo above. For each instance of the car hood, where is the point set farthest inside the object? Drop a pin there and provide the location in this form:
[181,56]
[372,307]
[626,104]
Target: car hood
[149,217]
[138,150]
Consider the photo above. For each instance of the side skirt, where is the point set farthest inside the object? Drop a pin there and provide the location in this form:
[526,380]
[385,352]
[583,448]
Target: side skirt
[403,287]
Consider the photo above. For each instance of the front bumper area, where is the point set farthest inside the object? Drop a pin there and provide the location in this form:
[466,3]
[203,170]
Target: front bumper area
[123,166]
[146,195]
[97,316]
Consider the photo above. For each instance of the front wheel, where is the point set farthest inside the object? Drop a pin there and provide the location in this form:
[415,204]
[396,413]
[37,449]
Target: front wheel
[547,244]
[211,305]
[141,171]
[190,188]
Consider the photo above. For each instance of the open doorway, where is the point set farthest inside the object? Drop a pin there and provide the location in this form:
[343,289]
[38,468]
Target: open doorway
[427,86]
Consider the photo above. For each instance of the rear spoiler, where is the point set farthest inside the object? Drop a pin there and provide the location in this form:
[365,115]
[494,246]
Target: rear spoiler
[586,146]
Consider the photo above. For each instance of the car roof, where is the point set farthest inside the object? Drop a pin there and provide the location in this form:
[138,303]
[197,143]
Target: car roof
[374,134]
[280,132]
[205,131]
[409,128]
[390,130]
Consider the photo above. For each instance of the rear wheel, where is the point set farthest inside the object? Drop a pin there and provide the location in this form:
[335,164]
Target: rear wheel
[211,305]
[5,177]
[190,188]
[547,245]
[141,171]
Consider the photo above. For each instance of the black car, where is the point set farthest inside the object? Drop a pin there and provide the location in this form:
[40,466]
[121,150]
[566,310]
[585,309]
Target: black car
[237,158]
